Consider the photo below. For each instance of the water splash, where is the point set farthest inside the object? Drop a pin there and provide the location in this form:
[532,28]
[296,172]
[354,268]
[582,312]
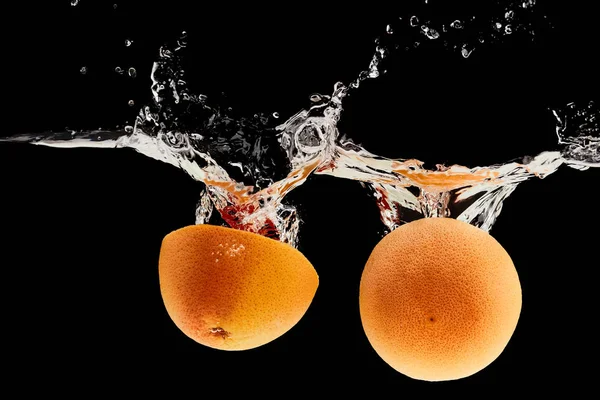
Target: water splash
[577,128]
[248,165]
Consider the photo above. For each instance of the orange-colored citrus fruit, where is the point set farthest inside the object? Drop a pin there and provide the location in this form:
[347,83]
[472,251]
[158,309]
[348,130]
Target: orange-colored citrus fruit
[233,290]
[439,299]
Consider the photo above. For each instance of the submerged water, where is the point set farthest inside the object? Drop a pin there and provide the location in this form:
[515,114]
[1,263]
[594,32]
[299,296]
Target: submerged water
[249,164]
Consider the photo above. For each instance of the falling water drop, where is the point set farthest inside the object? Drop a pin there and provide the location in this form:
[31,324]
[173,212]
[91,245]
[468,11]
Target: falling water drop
[466,52]
[83,70]
[315,98]
[414,21]
[119,70]
[132,72]
[131,103]
[456,24]
[389,30]
[275,114]
[508,29]
[430,33]
[129,129]
[74,2]
[128,42]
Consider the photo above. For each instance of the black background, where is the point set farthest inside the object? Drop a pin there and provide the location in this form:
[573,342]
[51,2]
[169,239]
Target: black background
[81,229]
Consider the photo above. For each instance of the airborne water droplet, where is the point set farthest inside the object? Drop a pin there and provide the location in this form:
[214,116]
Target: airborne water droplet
[315,98]
[119,70]
[509,15]
[508,29]
[83,70]
[414,21]
[498,25]
[275,114]
[74,2]
[430,33]
[128,42]
[456,24]
[132,72]
[389,29]
[131,102]
[466,52]
[129,129]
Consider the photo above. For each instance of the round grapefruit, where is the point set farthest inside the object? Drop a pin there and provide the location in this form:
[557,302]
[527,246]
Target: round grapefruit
[233,290]
[439,299]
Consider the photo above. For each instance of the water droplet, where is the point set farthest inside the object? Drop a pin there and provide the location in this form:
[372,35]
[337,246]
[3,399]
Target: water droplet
[202,97]
[508,29]
[119,70]
[389,29]
[315,98]
[466,52]
[74,2]
[131,102]
[498,26]
[456,24]
[132,72]
[165,53]
[509,15]
[481,40]
[430,33]
[129,129]
[416,44]
[83,70]
[275,114]
[115,6]
[128,42]
[414,21]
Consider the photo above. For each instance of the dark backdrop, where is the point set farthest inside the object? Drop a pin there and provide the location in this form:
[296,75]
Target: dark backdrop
[81,229]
